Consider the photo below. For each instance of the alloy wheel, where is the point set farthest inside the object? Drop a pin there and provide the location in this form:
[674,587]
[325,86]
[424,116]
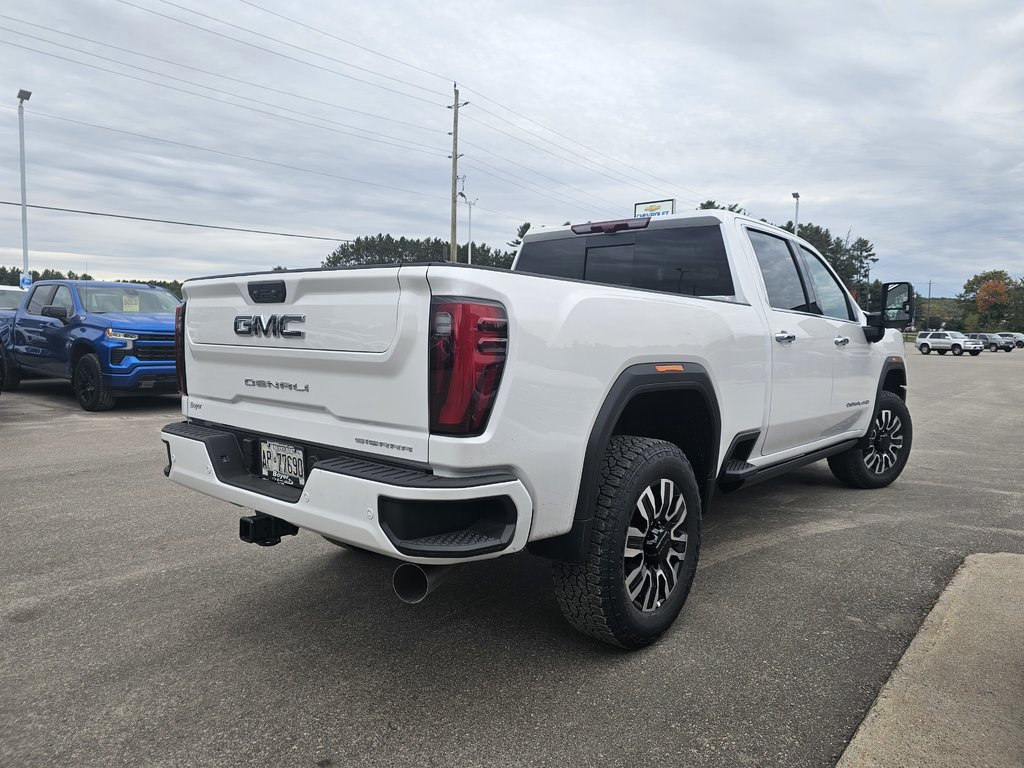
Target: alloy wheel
[885,442]
[656,542]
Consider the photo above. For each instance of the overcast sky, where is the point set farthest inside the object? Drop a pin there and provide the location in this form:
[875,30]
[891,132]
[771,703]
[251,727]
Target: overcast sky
[899,122]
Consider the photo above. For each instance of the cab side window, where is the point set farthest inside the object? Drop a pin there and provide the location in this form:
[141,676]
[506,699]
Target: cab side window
[40,298]
[781,277]
[830,298]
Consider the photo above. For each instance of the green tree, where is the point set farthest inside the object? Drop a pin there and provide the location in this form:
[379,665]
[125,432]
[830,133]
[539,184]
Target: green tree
[520,233]
[988,307]
[385,249]
[708,205]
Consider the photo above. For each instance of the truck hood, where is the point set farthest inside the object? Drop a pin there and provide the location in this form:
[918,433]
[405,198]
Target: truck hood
[162,322]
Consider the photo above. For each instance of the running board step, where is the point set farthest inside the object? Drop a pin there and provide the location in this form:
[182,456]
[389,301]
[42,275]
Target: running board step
[736,469]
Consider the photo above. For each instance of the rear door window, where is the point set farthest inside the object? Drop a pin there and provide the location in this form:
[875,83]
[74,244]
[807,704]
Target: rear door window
[780,273]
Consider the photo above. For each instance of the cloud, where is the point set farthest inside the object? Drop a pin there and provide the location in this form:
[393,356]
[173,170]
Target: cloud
[899,123]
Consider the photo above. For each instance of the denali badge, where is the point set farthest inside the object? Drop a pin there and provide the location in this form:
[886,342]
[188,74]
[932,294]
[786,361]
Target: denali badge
[267,384]
[275,325]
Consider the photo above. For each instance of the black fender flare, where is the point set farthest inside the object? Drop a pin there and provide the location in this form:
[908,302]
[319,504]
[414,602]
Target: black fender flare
[635,380]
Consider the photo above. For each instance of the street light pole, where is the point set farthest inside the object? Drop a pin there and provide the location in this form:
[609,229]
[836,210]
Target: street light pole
[470,203]
[26,279]
[796,216]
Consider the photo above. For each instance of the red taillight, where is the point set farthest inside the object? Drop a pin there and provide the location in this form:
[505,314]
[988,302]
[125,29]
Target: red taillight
[179,348]
[468,340]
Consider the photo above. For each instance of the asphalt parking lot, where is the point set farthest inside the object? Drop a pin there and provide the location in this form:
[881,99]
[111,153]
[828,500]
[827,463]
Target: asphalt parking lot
[137,630]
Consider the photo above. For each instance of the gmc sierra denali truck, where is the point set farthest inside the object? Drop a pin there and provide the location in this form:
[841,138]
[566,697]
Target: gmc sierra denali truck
[587,404]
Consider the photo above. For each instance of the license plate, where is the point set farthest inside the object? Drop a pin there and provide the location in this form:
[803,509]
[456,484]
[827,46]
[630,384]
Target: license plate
[283,463]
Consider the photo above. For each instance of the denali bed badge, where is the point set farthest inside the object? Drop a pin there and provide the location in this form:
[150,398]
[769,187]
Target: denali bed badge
[275,325]
[267,384]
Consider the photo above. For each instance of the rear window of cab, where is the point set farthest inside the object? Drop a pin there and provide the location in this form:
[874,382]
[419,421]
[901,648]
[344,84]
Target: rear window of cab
[690,261]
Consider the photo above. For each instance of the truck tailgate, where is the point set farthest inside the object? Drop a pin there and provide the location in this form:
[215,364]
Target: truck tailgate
[336,358]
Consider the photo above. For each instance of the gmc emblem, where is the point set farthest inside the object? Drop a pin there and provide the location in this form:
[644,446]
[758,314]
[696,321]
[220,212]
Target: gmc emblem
[275,325]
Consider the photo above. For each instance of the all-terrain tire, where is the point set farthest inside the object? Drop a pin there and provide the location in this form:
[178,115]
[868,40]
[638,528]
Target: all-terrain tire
[643,549]
[90,390]
[889,442]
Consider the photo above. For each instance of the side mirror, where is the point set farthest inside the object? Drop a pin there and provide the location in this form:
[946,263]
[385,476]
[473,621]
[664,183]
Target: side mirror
[61,313]
[898,308]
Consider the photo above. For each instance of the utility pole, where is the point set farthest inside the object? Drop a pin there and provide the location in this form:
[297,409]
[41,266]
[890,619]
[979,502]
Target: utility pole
[454,252]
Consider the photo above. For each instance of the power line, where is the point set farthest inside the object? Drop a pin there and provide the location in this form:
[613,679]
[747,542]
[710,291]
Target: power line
[235,155]
[347,42]
[197,69]
[179,223]
[699,196]
[411,146]
[537,173]
[286,56]
[590,150]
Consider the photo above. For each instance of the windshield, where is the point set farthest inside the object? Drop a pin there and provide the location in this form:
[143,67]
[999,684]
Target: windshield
[956,335]
[10,298]
[116,298]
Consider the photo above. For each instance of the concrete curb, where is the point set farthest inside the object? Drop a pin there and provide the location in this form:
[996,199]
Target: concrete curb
[956,698]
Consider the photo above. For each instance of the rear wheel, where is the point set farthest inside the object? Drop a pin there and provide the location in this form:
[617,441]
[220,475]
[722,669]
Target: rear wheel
[90,390]
[925,349]
[975,353]
[882,459]
[643,550]
[958,350]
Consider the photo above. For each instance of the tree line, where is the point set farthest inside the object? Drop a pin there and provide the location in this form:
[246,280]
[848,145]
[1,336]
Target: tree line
[12,276]
[990,301]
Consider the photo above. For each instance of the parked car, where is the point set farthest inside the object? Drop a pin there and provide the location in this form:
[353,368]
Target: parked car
[1017,338]
[947,341]
[993,341]
[11,296]
[107,339]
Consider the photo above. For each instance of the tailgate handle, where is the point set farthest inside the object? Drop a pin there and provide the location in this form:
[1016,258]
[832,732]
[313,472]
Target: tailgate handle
[268,292]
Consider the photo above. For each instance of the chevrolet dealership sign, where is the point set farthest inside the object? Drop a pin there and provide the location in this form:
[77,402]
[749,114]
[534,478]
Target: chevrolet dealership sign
[654,208]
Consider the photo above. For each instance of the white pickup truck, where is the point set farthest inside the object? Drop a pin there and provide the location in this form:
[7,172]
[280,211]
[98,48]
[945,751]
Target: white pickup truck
[587,404]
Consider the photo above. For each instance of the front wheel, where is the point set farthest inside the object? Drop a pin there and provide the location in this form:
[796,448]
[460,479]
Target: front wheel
[882,458]
[643,549]
[993,348]
[925,349]
[90,390]
[975,353]
[958,350]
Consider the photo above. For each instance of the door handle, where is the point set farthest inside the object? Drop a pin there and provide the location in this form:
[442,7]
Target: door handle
[841,341]
[785,337]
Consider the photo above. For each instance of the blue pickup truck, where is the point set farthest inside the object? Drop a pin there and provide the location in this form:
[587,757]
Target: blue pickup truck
[107,339]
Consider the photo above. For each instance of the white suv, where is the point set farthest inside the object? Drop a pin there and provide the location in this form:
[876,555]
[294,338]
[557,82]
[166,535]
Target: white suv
[948,341]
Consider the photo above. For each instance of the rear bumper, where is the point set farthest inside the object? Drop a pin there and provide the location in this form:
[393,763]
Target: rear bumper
[408,514]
